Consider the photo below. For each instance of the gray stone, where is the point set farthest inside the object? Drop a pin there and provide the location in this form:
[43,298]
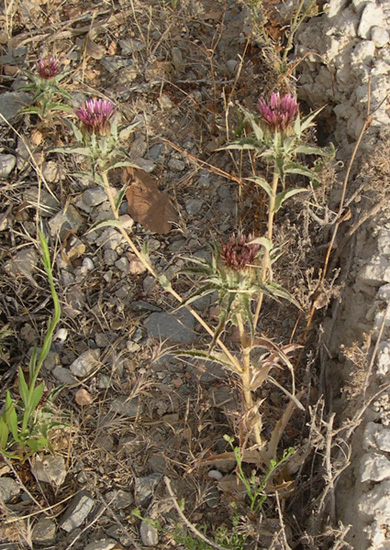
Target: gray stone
[149,534]
[193,206]
[146,164]
[94,196]
[335,6]
[110,256]
[156,151]
[65,221]
[23,263]
[372,16]
[379,36]
[63,376]
[79,509]
[119,499]
[7,164]
[9,489]
[144,488]
[374,467]
[49,469]
[11,104]
[103,544]
[130,45]
[45,203]
[123,265]
[176,327]
[114,63]
[44,532]
[140,305]
[232,65]
[376,272]
[212,497]
[138,148]
[86,363]
[127,407]
[176,164]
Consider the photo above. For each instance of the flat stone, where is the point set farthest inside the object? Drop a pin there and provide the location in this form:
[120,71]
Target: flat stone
[44,532]
[63,376]
[140,305]
[86,363]
[79,509]
[9,489]
[23,263]
[7,164]
[144,488]
[374,467]
[94,196]
[65,221]
[176,164]
[114,63]
[119,499]
[50,469]
[149,534]
[193,206]
[127,407]
[103,544]
[47,206]
[176,327]
[11,104]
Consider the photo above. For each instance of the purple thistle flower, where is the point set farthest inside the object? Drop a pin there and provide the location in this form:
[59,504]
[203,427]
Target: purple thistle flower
[238,254]
[279,112]
[48,67]
[95,115]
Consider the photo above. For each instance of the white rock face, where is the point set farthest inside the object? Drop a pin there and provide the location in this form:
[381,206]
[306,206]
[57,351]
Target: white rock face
[375,467]
[372,15]
[376,503]
[353,51]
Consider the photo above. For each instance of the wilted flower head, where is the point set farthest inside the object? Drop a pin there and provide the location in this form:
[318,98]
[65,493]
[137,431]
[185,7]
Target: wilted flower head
[238,254]
[48,67]
[279,112]
[96,114]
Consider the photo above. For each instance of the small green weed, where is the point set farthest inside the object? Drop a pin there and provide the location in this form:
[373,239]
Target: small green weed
[25,423]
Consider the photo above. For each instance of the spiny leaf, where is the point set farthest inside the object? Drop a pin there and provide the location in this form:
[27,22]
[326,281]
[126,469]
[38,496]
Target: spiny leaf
[284,195]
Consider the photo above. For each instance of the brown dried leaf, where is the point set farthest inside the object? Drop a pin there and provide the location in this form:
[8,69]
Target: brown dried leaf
[91,48]
[147,204]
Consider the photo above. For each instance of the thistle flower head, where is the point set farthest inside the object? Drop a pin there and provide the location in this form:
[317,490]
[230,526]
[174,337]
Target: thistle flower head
[279,112]
[96,114]
[48,67]
[238,254]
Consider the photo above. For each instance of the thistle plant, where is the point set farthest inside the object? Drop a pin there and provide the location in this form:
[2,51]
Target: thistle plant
[48,95]
[278,138]
[26,421]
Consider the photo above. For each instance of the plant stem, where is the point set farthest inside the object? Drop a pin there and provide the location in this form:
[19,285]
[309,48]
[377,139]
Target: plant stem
[246,379]
[109,191]
[266,260]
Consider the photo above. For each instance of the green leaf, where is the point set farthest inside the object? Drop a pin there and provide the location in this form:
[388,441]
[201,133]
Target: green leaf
[258,180]
[23,388]
[309,150]
[255,126]
[4,432]
[106,223]
[263,241]
[121,164]
[297,168]
[36,396]
[10,416]
[284,195]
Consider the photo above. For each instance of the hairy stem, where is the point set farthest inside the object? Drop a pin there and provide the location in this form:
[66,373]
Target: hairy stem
[266,260]
[110,195]
[246,379]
